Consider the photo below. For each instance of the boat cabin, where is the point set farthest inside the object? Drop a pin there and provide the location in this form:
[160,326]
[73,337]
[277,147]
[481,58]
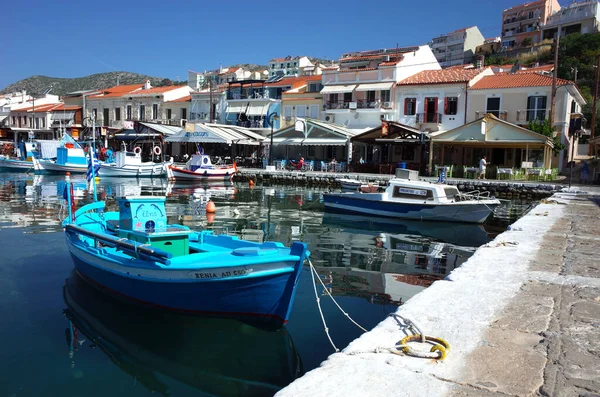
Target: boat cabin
[404,189]
[144,219]
[70,153]
[128,158]
[200,161]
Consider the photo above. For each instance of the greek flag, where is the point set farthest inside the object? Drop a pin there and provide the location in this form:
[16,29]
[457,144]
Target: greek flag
[442,177]
[92,160]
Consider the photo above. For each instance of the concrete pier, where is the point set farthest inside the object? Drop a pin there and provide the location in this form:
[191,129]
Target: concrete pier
[522,317]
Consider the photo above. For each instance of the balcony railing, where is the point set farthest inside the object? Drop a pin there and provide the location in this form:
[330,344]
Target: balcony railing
[501,114]
[337,105]
[423,118]
[527,115]
[247,124]
[252,94]
[559,19]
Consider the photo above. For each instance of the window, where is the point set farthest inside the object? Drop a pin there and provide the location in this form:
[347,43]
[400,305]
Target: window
[118,114]
[43,122]
[287,112]
[155,111]
[347,97]
[281,66]
[288,64]
[409,192]
[410,106]
[385,96]
[301,111]
[333,98]
[95,113]
[370,96]
[37,123]
[313,111]
[142,112]
[451,105]
[272,66]
[106,116]
[14,119]
[315,87]
[128,112]
[184,114]
[294,63]
[530,15]
[536,108]
[573,107]
[493,106]
[168,114]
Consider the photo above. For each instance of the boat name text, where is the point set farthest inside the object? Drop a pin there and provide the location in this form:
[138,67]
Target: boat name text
[417,192]
[223,274]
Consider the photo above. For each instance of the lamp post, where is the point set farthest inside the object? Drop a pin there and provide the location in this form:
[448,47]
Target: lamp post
[273,117]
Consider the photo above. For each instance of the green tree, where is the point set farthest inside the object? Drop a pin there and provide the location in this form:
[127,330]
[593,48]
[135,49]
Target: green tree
[527,42]
[543,127]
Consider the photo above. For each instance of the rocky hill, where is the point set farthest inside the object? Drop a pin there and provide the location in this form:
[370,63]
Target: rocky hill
[37,85]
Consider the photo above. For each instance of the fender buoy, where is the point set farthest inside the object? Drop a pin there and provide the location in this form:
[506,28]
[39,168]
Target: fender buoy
[210,207]
[137,150]
[157,150]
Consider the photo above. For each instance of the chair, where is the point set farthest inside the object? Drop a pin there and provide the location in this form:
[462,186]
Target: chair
[323,166]
[282,164]
[535,174]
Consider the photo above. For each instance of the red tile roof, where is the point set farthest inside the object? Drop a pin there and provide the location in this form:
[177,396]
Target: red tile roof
[39,108]
[390,63]
[357,70]
[278,59]
[517,80]
[116,91]
[64,107]
[156,90]
[293,81]
[183,99]
[451,75]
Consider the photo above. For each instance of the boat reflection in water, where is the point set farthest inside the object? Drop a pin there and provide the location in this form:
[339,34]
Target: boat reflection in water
[217,356]
[390,261]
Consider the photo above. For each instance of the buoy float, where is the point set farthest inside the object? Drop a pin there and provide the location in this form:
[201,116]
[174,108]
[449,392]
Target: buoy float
[210,217]
[251,183]
[210,207]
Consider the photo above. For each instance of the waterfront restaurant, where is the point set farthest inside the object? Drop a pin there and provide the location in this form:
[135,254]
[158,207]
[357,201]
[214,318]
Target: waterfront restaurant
[381,149]
[319,142]
[509,149]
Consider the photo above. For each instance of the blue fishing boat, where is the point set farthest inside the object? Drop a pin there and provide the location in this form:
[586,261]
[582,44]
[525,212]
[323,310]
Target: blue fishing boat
[70,157]
[135,253]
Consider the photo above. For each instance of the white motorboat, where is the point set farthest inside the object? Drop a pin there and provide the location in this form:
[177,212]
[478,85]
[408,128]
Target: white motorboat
[200,168]
[129,164]
[411,199]
[70,157]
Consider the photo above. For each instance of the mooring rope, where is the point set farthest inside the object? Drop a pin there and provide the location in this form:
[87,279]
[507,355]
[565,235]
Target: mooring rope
[320,309]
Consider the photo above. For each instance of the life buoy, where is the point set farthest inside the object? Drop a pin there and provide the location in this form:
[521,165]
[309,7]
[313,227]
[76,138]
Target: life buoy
[157,150]
[137,150]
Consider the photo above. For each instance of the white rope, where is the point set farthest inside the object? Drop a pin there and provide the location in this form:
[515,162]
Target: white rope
[332,298]
[321,310]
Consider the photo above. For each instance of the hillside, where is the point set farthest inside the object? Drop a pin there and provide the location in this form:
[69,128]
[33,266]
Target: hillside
[37,85]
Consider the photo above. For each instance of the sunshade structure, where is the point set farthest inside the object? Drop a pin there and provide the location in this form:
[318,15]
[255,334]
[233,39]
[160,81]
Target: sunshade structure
[216,133]
[389,143]
[503,143]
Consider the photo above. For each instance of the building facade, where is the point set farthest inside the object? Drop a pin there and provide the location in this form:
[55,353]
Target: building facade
[525,21]
[457,47]
[360,91]
[303,100]
[289,66]
[578,17]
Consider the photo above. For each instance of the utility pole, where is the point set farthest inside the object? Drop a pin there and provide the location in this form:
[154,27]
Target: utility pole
[554,73]
[210,110]
[594,105]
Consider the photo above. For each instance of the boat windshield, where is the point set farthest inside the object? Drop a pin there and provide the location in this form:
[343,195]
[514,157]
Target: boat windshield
[451,192]
[411,193]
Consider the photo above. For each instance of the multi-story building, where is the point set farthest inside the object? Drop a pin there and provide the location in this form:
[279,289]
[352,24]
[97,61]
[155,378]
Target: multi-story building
[32,122]
[490,46]
[139,102]
[303,100]
[525,20]
[436,100]
[457,47]
[360,91]
[523,97]
[290,66]
[202,80]
[577,17]
[200,105]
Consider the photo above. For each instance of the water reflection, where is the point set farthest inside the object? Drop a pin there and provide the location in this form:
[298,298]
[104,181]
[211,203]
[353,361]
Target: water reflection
[216,356]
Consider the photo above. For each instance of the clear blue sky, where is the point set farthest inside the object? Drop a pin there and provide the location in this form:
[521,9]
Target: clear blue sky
[74,38]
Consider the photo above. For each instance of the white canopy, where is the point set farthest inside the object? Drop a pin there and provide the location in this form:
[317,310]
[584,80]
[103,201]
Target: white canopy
[374,86]
[166,130]
[216,133]
[237,107]
[338,89]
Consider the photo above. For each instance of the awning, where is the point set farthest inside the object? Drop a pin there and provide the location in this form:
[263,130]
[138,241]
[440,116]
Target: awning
[338,89]
[166,130]
[309,141]
[131,135]
[216,133]
[237,107]
[257,109]
[374,86]
[63,115]
[199,134]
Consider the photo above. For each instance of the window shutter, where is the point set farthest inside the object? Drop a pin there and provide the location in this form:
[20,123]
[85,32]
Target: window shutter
[542,102]
[530,103]
[435,106]
[405,106]
[446,105]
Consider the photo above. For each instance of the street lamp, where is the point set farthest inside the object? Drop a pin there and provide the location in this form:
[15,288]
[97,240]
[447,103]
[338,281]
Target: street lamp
[273,117]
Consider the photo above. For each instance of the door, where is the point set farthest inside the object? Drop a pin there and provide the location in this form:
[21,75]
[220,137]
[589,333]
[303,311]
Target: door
[431,107]
[493,106]
[498,157]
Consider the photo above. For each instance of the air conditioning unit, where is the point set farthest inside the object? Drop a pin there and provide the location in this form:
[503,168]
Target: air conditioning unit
[387,104]
[182,122]
[330,118]
[352,105]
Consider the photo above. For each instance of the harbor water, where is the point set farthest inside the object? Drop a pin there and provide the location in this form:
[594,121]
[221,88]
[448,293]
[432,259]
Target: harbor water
[62,337]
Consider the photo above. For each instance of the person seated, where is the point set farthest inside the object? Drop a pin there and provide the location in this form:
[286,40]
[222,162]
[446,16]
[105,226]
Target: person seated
[298,165]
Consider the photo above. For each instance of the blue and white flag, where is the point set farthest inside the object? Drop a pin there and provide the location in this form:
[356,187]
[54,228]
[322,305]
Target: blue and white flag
[96,165]
[442,178]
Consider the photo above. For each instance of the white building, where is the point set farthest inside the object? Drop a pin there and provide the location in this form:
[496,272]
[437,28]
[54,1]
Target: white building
[577,17]
[436,100]
[360,91]
[200,108]
[291,66]
[457,47]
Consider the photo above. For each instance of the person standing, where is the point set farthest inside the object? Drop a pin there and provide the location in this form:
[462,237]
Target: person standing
[482,167]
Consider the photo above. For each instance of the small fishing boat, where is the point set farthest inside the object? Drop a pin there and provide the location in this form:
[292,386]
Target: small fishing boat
[135,253]
[70,157]
[158,349]
[410,199]
[200,168]
[13,164]
[129,164]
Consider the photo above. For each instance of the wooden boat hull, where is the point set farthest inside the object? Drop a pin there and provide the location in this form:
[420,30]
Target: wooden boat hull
[153,346]
[145,170]
[15,165]
[469,212]
[217,174]
[253,287]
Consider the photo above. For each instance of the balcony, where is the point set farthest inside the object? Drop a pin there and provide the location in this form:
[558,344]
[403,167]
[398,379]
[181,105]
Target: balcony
[426,118]
[561,19]
[526,115]
[337,105]
[373,104]
[501,114]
